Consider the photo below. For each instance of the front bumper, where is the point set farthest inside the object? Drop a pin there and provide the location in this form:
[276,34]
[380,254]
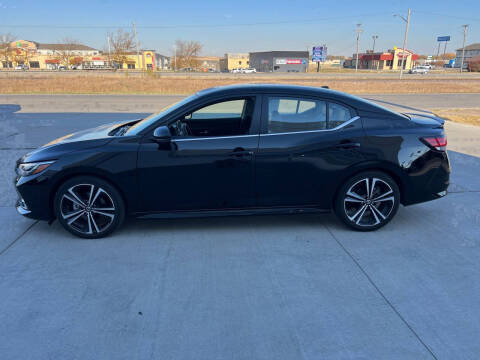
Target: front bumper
[34,196]
[22,207]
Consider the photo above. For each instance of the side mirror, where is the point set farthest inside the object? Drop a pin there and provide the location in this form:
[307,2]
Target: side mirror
[162,133]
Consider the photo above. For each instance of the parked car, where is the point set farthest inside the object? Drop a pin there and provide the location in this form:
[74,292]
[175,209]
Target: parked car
[22,67]
[249,71]
[241,149]
[236,71]
[62,68]
[419,70]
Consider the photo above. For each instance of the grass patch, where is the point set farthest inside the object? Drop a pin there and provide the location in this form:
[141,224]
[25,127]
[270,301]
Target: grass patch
[184,85]
[469,116]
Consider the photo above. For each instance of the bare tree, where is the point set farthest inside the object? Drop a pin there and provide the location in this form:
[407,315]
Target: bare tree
[66,51]
[187,51]
[122,44]
[6,51]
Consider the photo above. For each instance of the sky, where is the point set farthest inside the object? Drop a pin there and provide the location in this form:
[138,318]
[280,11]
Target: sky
[246,26]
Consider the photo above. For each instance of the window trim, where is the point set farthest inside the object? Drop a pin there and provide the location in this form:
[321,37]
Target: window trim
[181,139]
[264,118]
[348,122]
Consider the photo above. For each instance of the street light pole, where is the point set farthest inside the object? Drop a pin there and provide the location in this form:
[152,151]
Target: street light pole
[358,31]
[374,37]
[407,20]
[465,29]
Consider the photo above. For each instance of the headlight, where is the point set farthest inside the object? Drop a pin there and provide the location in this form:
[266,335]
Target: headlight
[26,169]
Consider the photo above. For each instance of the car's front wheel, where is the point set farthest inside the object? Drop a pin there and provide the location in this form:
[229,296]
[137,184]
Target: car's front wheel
[89,207]
[367,201]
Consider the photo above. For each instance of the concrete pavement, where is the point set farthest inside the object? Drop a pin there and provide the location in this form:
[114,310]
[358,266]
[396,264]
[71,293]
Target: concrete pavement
[263,287]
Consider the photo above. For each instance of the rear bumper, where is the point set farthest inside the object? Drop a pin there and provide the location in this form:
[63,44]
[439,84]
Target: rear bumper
[430,182]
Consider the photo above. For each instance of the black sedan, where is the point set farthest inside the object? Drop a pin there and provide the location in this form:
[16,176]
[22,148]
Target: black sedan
[244,149]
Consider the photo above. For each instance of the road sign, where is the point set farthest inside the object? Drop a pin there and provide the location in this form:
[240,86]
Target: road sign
[443,38]
[319,53]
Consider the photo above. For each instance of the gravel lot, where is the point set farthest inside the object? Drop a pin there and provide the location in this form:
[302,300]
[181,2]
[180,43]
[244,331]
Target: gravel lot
[263,287]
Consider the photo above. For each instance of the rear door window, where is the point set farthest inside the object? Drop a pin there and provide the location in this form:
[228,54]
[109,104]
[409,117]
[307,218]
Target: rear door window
[295,114]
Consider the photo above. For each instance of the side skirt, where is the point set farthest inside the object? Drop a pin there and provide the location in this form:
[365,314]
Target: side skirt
[229,212]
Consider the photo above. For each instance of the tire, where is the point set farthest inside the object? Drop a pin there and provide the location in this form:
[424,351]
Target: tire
[89,207]
[358,209]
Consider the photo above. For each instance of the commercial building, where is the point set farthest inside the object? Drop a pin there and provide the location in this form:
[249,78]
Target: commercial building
[145,60]
[389,60]
[279,61]
[234,61]
[206,63]
[470,51]
[44,56]
[51,56]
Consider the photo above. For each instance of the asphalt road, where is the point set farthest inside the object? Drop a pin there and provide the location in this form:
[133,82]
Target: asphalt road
[263,287]
[448,74]
[153,103]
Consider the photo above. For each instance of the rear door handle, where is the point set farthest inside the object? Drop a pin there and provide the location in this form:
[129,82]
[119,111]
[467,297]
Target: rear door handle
[348,145]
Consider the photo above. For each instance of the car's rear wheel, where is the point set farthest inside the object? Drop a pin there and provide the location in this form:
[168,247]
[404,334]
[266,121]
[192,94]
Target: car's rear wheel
[89,207]
[367,201]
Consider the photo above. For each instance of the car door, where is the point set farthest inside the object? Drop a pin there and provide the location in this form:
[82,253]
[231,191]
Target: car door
[209,168]
[304,146]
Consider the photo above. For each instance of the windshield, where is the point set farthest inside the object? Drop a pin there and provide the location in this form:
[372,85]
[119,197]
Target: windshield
[149,120]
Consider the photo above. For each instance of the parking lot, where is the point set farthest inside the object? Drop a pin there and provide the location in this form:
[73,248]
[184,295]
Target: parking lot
[254,287]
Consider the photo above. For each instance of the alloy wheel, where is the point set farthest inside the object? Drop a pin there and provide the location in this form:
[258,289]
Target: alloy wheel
[369,202]
[87,209]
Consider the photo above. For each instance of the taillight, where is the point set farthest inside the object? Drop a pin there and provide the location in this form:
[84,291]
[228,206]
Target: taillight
[437,142]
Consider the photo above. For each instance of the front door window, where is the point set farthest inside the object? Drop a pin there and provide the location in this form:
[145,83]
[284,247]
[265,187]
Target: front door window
[225,118]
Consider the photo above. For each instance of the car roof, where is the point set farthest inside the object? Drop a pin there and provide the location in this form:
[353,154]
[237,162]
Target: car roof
[268,88]
[286,89]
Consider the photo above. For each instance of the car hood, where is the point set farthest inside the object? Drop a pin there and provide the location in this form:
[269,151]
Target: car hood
[81,140]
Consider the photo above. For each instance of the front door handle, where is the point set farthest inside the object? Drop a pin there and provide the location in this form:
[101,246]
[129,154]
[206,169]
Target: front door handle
[348,145]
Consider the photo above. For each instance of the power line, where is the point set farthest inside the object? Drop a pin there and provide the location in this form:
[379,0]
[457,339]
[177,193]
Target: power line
[299,21]
[445,15]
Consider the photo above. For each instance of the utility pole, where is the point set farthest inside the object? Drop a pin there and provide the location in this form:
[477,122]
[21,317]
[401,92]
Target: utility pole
[407,20]
[358,31]
[136,43]
[175,57]
[374,37]
[109,52]
[465,29]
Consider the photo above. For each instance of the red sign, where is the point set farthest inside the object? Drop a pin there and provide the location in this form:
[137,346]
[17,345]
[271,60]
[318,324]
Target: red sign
[294,61]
